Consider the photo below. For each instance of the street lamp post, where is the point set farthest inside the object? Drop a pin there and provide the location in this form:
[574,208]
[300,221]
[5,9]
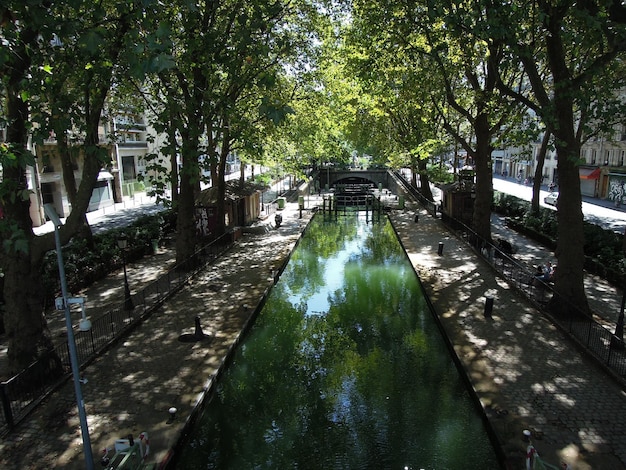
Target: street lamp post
[619,327]
[64,304]
[122,243]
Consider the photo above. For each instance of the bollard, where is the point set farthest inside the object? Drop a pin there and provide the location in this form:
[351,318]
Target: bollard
[440,249]
[199,334]
[417,218]
[172,412]
[488,306]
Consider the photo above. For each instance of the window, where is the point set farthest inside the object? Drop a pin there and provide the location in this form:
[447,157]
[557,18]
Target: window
[129,172]
[46,164]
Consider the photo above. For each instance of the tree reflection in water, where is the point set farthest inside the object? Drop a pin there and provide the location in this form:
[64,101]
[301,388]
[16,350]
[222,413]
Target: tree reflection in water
[344,368]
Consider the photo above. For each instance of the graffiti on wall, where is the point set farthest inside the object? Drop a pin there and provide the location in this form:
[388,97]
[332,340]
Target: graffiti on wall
[617,190]
[202,221]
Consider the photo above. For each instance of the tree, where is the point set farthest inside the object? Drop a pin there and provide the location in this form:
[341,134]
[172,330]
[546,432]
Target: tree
[31,33]
[223,62]
[570,53]
[443,39]
[398,117]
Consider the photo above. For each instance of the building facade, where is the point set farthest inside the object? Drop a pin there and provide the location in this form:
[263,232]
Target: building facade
[126,144]
[602,166]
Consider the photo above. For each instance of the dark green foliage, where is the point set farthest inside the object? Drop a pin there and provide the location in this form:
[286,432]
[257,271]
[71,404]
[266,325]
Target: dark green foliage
[509,206]
[439,174]
[84,266]
[603,248]
[263,178]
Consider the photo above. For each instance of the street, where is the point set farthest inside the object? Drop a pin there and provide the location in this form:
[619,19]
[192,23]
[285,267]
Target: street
[596,211]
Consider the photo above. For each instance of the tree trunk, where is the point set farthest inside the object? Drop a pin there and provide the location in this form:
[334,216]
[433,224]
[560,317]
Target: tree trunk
[481,220]
[186,218]
[69,181]
[569,276]
[569,284]
[541,158]
[27,333]
[424,181]
[175,189]
[220,228]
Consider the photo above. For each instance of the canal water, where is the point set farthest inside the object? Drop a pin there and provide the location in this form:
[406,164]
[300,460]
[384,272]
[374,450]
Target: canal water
[344,368]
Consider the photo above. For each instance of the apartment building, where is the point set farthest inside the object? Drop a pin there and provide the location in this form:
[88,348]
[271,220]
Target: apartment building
[603,173]
[602,166]
[125,141]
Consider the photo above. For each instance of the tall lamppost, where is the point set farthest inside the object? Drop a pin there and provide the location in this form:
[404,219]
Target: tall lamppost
[619,327]
[122,243]
[63,303]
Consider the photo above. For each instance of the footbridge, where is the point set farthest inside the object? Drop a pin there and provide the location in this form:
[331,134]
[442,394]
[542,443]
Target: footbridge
[332,177]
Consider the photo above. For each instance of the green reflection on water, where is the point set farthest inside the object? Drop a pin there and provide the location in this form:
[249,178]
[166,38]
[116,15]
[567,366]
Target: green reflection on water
[344,368]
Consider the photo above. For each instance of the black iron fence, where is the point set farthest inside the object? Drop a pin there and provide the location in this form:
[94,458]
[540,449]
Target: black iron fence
[21,393]
[595,337]
[430,206]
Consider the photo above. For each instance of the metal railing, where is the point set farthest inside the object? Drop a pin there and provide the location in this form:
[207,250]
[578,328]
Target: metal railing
[430,206]
[597,340]
[21,393]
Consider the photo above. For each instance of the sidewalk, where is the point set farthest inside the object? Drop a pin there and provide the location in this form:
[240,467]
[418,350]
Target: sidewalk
[131,387]
[109,291]
[525,372]
[119,214]
[604,299]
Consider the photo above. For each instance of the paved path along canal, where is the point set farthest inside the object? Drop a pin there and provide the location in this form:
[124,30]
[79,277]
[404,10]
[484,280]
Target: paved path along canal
[131,387]
[527,374]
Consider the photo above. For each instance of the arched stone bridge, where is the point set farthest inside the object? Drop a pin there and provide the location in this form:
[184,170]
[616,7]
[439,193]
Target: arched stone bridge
[334,177]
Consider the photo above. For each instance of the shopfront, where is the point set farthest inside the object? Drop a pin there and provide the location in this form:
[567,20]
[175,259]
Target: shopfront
[589,181]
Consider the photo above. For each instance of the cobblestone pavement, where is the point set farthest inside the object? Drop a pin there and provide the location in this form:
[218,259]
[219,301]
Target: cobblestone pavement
[525,372]
[130,388]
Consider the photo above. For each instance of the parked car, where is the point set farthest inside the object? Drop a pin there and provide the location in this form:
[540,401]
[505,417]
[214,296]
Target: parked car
[551,199]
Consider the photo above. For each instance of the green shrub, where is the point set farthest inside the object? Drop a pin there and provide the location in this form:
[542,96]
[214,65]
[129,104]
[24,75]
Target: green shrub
[263,178]
[532,221]
[439,174]
[602,245]
[599,240]
[510,206]
[84,265]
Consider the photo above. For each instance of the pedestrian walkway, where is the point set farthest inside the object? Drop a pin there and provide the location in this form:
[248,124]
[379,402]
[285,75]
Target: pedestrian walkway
[119,214]
[109,291]
[603,298]
[130,388]
[526,373]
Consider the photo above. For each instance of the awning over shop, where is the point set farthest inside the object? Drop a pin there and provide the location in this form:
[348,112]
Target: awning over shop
[589,173]
[104,175]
